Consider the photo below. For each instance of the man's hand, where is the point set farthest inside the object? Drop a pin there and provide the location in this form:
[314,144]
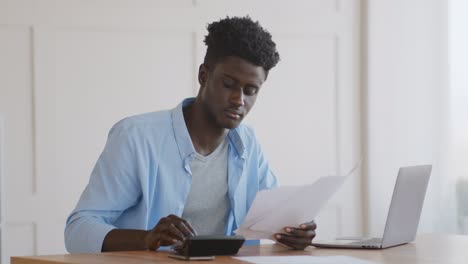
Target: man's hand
[168,231]
[297,237]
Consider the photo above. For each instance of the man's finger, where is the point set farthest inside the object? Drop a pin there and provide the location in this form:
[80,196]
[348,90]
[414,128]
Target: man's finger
[167,240]
[186,230]
[154,244]
[293,242]
[308,226]
[310,233]
[182,224]
[187,224]
[175,232]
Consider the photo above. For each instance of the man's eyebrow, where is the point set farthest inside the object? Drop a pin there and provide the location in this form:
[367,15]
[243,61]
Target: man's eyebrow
[230,77]
[236,80]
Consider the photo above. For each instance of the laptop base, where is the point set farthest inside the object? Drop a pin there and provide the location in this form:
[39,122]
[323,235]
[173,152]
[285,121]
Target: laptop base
[366,243]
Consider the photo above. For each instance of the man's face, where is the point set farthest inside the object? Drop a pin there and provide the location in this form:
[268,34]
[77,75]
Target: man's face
[229,90]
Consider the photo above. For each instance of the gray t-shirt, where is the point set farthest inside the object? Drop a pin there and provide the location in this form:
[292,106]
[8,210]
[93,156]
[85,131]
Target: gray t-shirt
[207,205]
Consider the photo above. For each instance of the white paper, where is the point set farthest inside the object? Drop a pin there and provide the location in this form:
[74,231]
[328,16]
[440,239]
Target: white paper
[274,209]
[303,260]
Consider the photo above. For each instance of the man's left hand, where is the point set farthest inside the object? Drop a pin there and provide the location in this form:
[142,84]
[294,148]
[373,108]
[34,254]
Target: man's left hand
[297,237]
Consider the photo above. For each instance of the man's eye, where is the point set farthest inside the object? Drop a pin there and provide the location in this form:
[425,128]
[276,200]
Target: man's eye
[250,90]
[227,84]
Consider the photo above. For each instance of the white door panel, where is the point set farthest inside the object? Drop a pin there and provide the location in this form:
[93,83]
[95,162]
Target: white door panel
[295,115]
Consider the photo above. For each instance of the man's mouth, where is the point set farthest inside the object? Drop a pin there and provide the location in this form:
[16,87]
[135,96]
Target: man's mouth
[233,114]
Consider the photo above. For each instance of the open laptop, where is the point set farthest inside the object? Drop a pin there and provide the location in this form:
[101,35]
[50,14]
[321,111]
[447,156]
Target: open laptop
[403,215]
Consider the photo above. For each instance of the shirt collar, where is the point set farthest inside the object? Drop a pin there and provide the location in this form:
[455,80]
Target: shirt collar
[182,135]
[237,141]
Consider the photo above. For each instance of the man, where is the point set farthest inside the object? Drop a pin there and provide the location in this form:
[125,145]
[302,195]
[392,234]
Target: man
[195,169]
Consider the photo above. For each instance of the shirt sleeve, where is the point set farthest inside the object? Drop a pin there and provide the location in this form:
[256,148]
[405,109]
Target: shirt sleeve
[113,187]
[267,179]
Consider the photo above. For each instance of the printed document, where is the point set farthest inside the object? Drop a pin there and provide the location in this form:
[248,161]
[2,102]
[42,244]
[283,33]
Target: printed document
[274,209]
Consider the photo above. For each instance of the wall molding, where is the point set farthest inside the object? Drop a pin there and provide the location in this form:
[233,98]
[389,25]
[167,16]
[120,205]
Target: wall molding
[33,109]
[2,195]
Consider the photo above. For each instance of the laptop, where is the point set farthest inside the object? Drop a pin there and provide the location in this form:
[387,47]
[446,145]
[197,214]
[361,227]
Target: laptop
[403,216]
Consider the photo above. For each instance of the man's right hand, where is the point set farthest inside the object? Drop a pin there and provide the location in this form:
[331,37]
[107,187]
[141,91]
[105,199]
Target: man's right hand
[168,231]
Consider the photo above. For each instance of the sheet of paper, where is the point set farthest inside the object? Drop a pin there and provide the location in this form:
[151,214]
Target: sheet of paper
[301,207]
[261,207]
[304,260]
[274,209]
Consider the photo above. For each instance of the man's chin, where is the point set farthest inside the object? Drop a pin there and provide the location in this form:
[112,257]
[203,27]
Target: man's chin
[231,125]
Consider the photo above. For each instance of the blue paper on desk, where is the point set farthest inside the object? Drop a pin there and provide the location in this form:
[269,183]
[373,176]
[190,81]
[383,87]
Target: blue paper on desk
[274,209]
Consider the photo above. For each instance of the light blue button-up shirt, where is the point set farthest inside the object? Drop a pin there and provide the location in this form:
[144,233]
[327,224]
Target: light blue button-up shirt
[143,175]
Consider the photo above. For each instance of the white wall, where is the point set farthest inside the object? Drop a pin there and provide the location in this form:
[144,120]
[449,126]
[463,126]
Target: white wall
[405,101]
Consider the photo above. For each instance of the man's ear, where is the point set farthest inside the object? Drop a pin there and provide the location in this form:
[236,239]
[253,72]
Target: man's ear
[202,75]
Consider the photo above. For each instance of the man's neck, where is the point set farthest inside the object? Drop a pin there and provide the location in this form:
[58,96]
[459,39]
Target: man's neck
[205,135]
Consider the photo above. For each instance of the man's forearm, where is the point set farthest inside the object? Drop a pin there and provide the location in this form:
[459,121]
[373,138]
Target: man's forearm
[124,240]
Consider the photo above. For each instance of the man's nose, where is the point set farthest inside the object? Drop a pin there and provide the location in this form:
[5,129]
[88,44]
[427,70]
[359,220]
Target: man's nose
[237,97]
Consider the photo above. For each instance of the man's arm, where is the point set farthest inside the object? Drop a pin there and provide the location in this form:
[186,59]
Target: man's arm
[113,187]
[125,239]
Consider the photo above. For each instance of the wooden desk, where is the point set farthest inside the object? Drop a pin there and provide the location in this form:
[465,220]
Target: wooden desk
[428,249]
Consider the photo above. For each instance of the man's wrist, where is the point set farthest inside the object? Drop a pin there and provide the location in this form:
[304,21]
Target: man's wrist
[145,245]
[126,240]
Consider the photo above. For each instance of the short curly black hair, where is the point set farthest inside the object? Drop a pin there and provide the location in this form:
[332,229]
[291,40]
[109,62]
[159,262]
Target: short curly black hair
[241,37]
